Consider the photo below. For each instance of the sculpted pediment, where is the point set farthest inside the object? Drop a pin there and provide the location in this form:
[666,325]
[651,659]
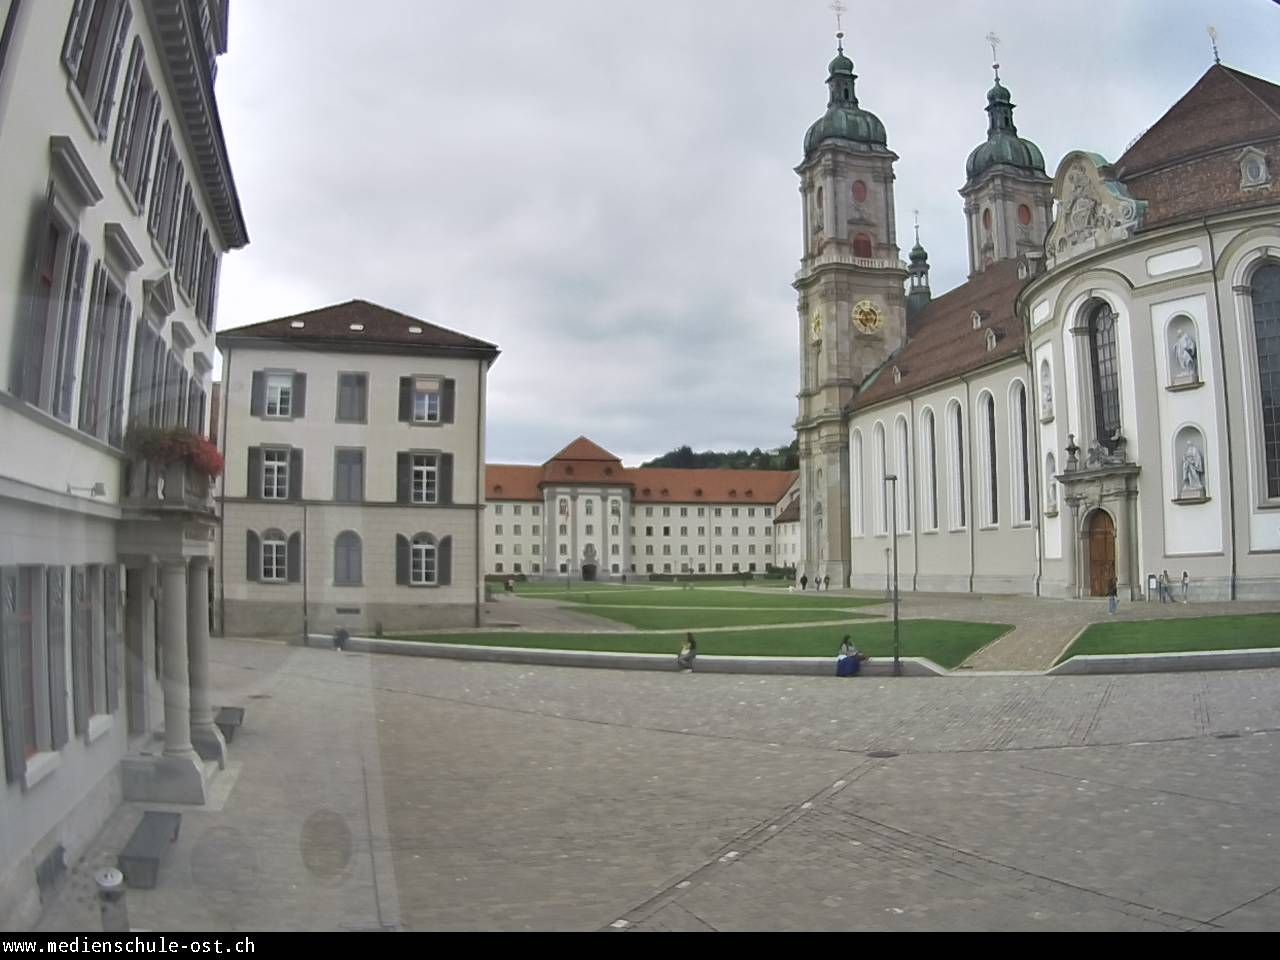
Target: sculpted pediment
[1092,208]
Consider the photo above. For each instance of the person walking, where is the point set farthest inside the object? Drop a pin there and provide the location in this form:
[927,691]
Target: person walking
[684,662]
[1113,596]
[826,583]
[1166,594]
[804,581]
[1186,585]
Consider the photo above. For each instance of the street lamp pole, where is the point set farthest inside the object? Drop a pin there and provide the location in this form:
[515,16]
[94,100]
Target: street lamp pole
[892,481]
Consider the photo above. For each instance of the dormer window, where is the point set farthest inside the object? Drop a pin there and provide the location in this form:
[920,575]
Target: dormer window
[991,340]
[976,319]
[1254,172]
[897,375]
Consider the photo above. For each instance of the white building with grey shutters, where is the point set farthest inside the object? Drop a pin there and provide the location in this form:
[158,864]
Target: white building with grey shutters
[119,203]
[353,494]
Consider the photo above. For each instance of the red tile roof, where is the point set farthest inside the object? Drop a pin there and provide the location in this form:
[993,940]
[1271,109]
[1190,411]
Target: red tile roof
[945,344]
[585,463]
[789,515]
[358,322]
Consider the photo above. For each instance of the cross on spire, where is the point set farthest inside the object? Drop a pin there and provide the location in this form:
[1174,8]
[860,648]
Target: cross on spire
[839,10]
[917,217]
[1213,39]
[994,40]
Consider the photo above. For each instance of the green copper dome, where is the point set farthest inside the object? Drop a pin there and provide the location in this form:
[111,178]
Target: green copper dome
[1003,145]
[844,119]
[918,253]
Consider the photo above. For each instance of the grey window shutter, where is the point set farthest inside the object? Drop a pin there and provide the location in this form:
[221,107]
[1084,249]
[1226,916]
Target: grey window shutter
[73,45]
[123,19]
[254,488]
[446,478]
[153,121]
[403,486]
[129,108]
[15,758]
[444,561]
[446,401]
[253,556]
[294,558]
[406,399]
[258,394]
[29,359]
[81,627]
[111,632]
[340,480]
[362,396]
[357,476]
[70,333]
[56,632]
[299,403]
[295,474]
[402,559]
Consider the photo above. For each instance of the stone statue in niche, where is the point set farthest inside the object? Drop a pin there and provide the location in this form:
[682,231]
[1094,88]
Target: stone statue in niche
[1053,496]
[1186,363]
[1192,480]
[589,553]
[1046,399]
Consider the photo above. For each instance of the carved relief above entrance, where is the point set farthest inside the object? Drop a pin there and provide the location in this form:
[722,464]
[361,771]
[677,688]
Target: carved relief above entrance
[1092,208]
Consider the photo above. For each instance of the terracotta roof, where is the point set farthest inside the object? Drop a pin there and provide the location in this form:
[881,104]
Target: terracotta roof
[585,463]
[945,344]
[358,322]
[791,514]
[1226,108]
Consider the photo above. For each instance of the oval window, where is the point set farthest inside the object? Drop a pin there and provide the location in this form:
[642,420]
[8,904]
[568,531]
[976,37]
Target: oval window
[1024,215]
[986,218]
[859,191]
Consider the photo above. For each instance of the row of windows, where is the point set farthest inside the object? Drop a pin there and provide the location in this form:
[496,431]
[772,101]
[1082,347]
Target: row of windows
[616,549]
[422,560]
[648,531]
[275,473]
[883,466]
[615,509]
[648,568]
[51,617]
[282,395]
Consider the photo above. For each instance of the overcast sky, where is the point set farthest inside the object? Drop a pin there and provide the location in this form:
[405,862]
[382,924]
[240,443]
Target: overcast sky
[606,190]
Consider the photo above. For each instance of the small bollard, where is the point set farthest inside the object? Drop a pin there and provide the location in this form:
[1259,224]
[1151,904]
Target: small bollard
[111,890]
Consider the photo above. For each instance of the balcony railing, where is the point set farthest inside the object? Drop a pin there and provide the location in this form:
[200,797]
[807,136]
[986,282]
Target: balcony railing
[809,264]
[174,486]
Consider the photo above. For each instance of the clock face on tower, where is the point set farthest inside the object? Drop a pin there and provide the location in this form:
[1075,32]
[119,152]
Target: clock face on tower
[867,316]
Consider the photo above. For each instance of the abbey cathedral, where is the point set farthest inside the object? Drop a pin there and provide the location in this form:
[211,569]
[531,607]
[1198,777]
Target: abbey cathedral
[1099,401]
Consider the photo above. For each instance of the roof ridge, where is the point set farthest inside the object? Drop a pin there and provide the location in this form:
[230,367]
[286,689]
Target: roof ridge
[1236,76]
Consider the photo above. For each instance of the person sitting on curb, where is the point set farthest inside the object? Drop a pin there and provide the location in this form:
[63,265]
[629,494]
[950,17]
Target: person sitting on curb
[684,662]
[850,659]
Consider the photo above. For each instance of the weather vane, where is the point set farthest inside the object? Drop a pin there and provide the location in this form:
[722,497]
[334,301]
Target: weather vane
[994,40]
[1213,38]
[839,9]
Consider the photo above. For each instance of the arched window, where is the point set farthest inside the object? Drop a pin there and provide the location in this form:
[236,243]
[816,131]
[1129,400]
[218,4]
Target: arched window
[1021,468]
[1104,364]
[903,454]
[862,246]
[347,559]
[930,454]
[855,483]
[422,560]
[955,429]
[274,556]
[879,471]
[987,459]
[1266,330]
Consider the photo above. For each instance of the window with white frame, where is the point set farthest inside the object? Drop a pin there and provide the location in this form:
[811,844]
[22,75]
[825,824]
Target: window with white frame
[275,474]
[136,125]
[515,529]
[902,453]
[955,441]
[879,471]
[929,479]
[162,219]
[497,529]
[275,552]
[855,483]
[424,478]
[987,460]
[590,508]
[422,560]
[1020,454]
[92,50]
[426,401]
[515,509]
[279,399]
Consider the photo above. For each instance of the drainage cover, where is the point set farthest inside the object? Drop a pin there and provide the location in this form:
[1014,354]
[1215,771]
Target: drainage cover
[881,754]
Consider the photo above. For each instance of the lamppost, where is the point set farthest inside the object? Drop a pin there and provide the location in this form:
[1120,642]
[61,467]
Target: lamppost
[892,481]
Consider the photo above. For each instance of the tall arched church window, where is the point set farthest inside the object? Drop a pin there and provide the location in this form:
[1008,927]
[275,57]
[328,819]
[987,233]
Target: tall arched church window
[902,452]
[1104,363]
[987,437]
[930,471]
[1265,294]
[881,470]
[959,513]
[1022,461]
[855,478]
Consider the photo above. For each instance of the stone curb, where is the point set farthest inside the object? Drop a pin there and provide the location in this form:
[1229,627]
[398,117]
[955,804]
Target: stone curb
[1250,659]
[786,666]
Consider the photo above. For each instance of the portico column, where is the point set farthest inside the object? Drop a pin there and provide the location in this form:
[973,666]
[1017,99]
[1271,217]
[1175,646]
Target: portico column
[139,632]
[1124,572]
[205,736]
[176,677]
[1073,549]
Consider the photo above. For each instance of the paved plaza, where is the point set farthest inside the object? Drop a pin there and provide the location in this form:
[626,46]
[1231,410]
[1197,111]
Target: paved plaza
[377,792]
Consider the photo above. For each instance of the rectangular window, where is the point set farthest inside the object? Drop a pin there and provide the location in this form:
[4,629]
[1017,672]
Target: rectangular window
[751,531]
[734,511]
[768,511]
[648,568]
[684,549]
[162,219]
[353,391]
[648,511]
[275,474]
[422,564]
[536,530]
[537,567]
[101,381]
[497,549]
[497,529]
[702,531]
[92,50]
[497,567]
[702,549]
[535,509]
[537,549]
[564,529]
[684,531]
[516,529]
[348,479]
[648,549]
[497,509]
[279,395]
[666,549]
[702,511]
[613,530]
[751,548]
[274,561]
[564,550]
[719,531]
[648,531]
[516,549]
[613,549]
[735,550]
[735,531]
[717,511]
[768,548]
[684,511]
[719,550]
[666,511]
[426,401]
[424,478]
[719,568]
[591,529]
[666,531]
[136,125]
[516,509]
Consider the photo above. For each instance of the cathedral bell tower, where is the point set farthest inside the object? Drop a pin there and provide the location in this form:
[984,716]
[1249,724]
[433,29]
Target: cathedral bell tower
[852,310]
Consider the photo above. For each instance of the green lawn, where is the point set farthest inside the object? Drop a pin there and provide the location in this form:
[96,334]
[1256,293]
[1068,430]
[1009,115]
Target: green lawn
[1178,636]
[947,643]
[657,619]
[715,598]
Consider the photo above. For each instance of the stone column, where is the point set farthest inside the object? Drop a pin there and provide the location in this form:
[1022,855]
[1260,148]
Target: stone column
[176,678]
[140,633]
[1124,548]
[1071,545]
[205,736]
